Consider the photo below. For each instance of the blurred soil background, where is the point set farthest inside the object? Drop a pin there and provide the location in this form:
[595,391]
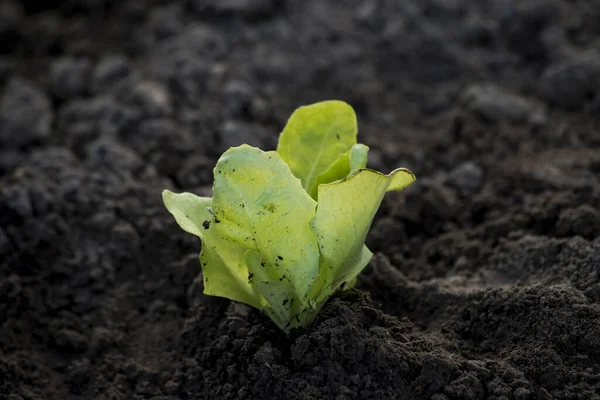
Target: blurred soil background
[486,283]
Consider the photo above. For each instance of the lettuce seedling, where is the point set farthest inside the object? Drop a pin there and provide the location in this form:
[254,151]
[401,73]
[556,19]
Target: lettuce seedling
[286,229]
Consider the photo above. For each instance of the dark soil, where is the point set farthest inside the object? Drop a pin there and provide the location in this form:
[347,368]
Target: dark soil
[486,282]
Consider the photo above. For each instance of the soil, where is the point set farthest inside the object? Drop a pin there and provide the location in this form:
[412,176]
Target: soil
[486,279]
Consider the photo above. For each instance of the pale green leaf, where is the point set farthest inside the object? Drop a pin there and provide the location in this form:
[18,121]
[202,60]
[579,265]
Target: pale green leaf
[260,205]
[358,157]
[314,137]
[283,306]
[344,215]
[350,161]
[223,264]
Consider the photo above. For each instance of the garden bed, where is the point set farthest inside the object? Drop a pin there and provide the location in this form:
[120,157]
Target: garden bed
[486,279]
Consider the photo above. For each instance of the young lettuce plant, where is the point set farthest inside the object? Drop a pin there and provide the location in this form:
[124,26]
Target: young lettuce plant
[286,229]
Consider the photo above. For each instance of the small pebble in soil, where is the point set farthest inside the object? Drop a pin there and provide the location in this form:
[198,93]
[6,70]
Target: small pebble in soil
[238,98]
[107,152]
[69,77]
[150,99]
[467,178]
[583,221]
[109,71]
[572,82]
[22,100]
[15,205]
[495,103]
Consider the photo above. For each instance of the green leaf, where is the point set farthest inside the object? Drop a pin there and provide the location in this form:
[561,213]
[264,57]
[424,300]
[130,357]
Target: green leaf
[314,137]
[284,307]
[223,264]
[260,205]
[344,215]
[350,161]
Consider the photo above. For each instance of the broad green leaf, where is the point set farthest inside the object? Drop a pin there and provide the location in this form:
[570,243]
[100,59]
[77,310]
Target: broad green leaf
[223,264]
[350,161]
[283,306]
[344,215]
[314,137]
[260,205]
